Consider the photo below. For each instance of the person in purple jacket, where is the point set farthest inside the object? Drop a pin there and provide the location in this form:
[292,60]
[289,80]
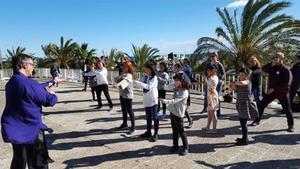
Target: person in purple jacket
[280,79]
[21,121]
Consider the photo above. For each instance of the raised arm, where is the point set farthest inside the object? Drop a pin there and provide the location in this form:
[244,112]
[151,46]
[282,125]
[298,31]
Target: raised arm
[153,83]
[178,99]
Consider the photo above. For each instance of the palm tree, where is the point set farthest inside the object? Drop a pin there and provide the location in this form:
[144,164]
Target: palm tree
[261,27]
[13,52]
[62,53]
[81,53]
[113,57]
[142,54]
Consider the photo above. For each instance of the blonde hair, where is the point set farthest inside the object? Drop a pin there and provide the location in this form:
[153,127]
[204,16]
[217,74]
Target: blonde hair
[253,58]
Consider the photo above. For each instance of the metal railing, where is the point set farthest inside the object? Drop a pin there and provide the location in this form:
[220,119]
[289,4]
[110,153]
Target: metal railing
[75,75]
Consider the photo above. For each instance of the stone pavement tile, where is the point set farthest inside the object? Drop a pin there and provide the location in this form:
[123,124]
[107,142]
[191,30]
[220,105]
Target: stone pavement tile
[100,156]
[182,163]
[161,161]
[257,148]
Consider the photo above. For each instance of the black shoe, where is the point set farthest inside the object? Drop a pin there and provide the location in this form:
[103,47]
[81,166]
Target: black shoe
[183,152]
[190,125]
[123,126]
[153,138]
[255,123]
[241,143]
[131,131]
[145,135]
[290,129]
[238,139]
[173,149]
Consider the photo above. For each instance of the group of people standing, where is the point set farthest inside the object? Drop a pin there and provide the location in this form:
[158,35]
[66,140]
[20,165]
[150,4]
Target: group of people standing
[23,128]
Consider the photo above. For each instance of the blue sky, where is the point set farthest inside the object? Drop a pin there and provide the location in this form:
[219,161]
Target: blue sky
[169,25]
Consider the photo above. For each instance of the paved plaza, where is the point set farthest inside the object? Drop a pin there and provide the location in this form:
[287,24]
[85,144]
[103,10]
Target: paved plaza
[88,138]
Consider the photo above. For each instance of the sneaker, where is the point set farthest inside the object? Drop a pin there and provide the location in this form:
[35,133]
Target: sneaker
[173,149]
[183,152]
[110,109]
[145,135]
[153,138]
[291,129]
[190,125]
[123,126]
[130,131]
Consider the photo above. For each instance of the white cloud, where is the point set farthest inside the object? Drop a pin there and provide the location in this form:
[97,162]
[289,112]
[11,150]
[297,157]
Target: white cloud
[237,4]
[179,47]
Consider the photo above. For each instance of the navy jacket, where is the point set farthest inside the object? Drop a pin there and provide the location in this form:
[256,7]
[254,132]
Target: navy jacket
[21,119]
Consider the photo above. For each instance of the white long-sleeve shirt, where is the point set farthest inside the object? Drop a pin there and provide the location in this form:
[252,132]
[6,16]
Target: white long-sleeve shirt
[101,76]
[151,96]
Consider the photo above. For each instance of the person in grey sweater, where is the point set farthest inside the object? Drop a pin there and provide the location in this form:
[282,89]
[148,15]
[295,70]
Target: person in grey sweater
[125,85]
[163,78]
[177,106]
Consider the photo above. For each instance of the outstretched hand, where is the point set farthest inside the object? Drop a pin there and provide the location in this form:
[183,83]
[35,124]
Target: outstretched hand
[50,90]
[57,79]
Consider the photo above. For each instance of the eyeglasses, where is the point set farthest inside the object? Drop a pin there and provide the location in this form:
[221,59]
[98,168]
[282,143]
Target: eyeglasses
[32,64]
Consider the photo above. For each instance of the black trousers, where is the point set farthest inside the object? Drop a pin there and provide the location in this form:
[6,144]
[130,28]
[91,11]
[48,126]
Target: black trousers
[35,156]
[84,81]
[244,129]
[284,100]
[162,94]
[126,106]
[93,90]
[178,130]
[104,88]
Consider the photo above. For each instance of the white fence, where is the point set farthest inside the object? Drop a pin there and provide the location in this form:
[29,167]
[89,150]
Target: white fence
[74,75]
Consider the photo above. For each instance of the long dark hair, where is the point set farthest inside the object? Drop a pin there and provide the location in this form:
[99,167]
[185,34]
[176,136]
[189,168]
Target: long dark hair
[164,65]
[153,73]
[180,77]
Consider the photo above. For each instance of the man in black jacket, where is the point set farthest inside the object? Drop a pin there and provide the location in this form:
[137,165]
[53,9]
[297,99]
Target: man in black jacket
[280,79]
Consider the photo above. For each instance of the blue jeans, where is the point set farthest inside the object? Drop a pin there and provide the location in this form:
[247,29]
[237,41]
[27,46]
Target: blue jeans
[152,114]
[256,92]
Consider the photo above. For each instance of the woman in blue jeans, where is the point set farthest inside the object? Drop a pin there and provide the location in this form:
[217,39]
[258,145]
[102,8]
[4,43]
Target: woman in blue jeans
[149,84]
[255,66]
